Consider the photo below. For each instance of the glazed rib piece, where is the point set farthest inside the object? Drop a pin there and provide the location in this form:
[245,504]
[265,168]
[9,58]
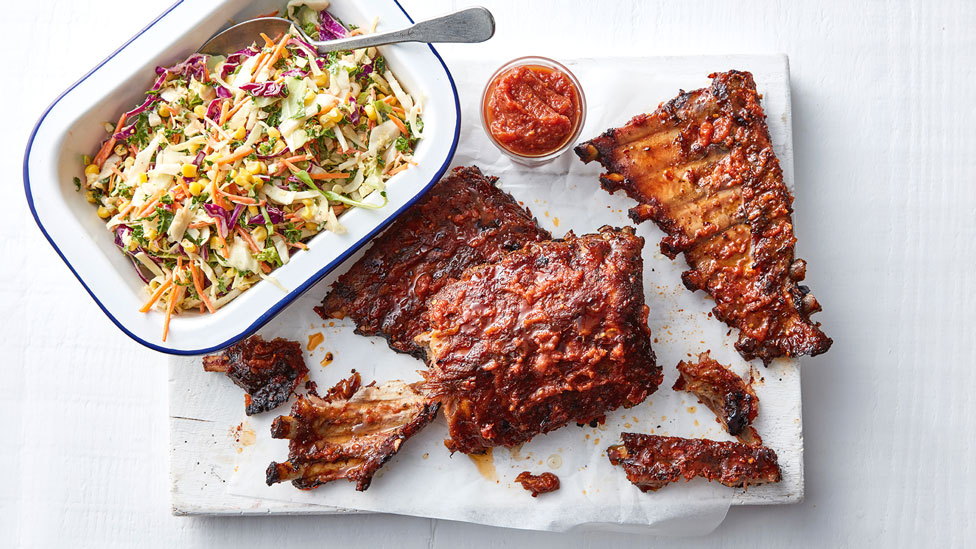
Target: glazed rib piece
[652,462]
[550,334]
[538,484]
[268,371]
[703,169]
[350,433]
[463,220]
[734,403]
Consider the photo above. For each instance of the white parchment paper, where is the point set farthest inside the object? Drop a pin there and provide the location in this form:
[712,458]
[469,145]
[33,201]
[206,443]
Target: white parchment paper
[425,480]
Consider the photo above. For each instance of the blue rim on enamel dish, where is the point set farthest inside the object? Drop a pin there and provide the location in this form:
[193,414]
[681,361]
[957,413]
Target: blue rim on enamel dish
[292,295]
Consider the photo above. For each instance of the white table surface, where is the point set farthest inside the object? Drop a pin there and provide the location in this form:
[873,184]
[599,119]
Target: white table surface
[883,116]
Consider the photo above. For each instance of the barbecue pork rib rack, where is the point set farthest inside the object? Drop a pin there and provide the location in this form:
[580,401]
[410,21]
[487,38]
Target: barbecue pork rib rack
[463,220]
[703,169]
[551,334]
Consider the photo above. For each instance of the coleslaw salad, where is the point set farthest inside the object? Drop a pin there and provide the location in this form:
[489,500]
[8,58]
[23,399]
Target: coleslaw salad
[232,164]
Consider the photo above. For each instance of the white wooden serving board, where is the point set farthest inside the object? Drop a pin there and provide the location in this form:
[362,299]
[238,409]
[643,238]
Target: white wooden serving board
[208,430]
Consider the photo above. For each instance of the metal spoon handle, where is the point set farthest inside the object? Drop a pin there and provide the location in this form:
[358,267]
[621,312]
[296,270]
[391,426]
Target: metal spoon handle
[469,25]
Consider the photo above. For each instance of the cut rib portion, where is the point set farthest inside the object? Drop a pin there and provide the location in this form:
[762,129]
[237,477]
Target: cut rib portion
[268,371]
[463,220]
[734,403]
[538,484]
[703,169]
[652,462]
[349,436]
[551,334]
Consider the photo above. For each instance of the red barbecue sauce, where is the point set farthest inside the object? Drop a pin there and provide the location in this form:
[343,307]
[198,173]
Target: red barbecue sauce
[532,110]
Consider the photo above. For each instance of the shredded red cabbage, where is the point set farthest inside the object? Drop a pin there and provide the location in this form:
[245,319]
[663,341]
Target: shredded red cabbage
[233,217]
[235,59]
[195,66]
[274,214]
[119,231]
[220,215]
[330,28]
[265,89]
[213,110]
[354,115]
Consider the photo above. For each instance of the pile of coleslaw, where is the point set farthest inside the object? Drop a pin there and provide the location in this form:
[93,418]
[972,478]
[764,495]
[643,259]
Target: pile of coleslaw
[231,164]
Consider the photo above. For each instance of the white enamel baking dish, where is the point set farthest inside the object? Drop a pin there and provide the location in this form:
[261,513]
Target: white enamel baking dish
[73,126]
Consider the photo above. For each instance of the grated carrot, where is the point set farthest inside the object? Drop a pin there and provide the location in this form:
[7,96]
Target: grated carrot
[329,175]
[157,294]
[107,147]
[234,156]
[247,238]
[176,295]
[399,125]
[151,203]
[199,287]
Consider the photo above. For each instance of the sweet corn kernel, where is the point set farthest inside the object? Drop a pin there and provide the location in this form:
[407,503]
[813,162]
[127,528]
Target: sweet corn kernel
[121,150]
[163,111]
[253,210]
[308,202]
[104,212]
[92,169]
[153,246]
[242,181]
[188,246]
[258,183]
[200,111]
[241,133]
[312,227]
[370,112]
[322,80]
[214,242]
[309,97]
[189,170]
[259,234]
[279,146]
[273,133]
[143,177]
[334,115]
[90,197]
[196,188]
[151,234]
[256,167]
[308,213]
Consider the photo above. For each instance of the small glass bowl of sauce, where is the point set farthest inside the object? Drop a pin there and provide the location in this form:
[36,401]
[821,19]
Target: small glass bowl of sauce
[533,109]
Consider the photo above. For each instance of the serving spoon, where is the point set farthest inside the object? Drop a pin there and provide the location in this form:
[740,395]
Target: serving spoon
[468,25]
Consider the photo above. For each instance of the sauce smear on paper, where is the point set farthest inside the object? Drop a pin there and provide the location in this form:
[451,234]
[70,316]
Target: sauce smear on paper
[485,463]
